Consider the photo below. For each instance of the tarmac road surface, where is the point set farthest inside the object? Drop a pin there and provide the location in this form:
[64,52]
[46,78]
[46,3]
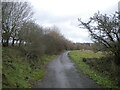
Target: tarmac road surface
[61,73]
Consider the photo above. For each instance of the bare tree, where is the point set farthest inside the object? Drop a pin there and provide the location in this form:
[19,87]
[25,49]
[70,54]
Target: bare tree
[55,42]
[105,30]
[14,14]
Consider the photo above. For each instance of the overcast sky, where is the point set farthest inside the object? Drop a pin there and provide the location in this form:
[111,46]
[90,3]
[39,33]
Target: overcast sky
[64,15]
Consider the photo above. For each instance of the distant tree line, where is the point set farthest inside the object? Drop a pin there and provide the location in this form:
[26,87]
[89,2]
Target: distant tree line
[18,29]
[84,46]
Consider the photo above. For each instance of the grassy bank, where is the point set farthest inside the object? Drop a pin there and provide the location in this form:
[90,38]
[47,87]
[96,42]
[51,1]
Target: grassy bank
[18,72]
[101,79]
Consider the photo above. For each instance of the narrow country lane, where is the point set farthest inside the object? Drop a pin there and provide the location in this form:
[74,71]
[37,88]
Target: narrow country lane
[61,73]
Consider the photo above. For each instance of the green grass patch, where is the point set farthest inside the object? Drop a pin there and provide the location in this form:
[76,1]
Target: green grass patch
[100,79]
[17,72]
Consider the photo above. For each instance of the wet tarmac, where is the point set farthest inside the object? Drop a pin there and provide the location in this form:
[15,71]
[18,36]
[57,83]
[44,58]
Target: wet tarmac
[61,73]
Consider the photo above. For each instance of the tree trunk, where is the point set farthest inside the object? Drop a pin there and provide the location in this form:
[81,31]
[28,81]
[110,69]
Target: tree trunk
[13,42]
[20,43]
[5,44]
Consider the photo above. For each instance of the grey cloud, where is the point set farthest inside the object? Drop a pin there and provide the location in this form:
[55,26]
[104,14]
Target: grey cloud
[68,24]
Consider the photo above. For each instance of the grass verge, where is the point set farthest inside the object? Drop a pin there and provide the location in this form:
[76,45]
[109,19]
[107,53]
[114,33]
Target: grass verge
[17,72]
[100,79]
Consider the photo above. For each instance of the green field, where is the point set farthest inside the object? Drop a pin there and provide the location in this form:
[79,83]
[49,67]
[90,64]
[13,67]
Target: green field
[18,72]
[102,80]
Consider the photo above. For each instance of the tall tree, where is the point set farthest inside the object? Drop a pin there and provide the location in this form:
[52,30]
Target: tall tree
[14,14]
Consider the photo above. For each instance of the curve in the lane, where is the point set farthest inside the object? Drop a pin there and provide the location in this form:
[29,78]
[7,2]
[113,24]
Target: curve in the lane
[61,73]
